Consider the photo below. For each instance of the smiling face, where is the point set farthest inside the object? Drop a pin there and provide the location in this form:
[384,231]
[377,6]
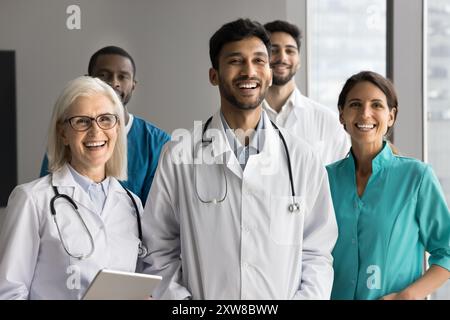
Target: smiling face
[117,71]
[90,149]
[366,115]
[285,60]
[244,74]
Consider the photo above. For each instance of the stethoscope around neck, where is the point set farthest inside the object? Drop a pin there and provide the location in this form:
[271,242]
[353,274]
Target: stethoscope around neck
[142,250]
[293,207]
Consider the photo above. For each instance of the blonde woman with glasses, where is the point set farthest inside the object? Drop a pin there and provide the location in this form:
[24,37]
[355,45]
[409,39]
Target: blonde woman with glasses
[60,230]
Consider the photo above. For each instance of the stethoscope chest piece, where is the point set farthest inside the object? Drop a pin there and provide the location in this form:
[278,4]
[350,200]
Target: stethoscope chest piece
[142,250]
[294,207]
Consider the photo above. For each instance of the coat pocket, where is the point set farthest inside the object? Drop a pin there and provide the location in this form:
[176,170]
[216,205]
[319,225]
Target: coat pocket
[286,220]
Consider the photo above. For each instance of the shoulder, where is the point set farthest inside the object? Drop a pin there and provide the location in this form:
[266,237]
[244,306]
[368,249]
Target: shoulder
[35,194]
[299,149]
[142,126]
[410,165]
[332,167]
[315,113]
[34,187]
[317,108]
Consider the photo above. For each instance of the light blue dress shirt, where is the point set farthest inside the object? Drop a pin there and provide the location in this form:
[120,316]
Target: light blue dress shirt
[383,234]
[256,142]
[97,191]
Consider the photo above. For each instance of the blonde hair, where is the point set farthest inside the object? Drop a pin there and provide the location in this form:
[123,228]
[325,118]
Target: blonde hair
[58,154]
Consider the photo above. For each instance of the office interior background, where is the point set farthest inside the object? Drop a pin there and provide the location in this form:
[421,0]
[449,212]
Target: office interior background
[406,40]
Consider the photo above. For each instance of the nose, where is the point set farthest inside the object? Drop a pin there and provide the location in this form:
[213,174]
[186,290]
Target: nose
[366,110]
[248,69]
[94,128]
[279,57]
[114,82]
[282,56]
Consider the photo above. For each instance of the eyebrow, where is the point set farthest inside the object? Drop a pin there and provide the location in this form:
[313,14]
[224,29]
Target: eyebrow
[239,54]
[290,46]
[359,100]
[110,71]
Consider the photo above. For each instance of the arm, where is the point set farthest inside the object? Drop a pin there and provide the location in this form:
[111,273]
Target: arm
[161,232]
[319,237]
[19,246]
[158,143]
[435,277]
[433,218]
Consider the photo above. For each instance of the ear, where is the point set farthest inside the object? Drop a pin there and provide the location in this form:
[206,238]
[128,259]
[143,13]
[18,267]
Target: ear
[392,117]
[341,118]
[213,76]
[341,115]
[62,132]
[271,77]
[134,85]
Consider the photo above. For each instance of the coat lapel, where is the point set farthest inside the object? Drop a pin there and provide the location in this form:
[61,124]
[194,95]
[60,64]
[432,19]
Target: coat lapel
[63,180]
[220,148]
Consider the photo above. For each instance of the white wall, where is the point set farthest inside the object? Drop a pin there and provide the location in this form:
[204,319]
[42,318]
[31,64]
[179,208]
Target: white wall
[168,39]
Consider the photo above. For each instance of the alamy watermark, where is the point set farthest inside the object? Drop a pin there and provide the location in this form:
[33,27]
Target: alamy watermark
[73,21]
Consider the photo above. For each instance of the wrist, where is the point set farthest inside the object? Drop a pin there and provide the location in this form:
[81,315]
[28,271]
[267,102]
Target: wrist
[409,294]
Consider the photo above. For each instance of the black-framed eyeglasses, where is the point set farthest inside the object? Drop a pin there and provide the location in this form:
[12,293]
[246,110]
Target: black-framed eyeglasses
[104,121]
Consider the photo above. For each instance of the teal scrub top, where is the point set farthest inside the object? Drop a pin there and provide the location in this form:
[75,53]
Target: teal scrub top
[383,234]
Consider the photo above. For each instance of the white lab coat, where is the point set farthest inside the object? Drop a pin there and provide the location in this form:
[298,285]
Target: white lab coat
[249,246]
[33,263]
[314,123]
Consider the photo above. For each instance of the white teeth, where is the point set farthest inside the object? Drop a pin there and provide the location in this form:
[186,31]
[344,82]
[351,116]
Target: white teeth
[95,144]
[365,126]
[247,86]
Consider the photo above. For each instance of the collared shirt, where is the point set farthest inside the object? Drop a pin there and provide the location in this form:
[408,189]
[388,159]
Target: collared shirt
[97,191]
[248,246]
[383,234]
[129,124]
[256,143]
[280,118]
[316,124]
[43,270]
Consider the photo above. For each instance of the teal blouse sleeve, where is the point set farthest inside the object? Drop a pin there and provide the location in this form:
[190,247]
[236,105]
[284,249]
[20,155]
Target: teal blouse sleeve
[433,217]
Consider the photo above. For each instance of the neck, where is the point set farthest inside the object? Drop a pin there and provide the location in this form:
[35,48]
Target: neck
[126,116]
[364,154]
[95,174]
[278,95]
[243,120]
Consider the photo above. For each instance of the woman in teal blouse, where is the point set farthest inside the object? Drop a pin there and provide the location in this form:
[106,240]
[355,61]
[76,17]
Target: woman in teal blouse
[390,209]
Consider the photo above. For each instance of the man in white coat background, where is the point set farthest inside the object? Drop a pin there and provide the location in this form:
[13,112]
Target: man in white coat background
[318,125]
[244,212]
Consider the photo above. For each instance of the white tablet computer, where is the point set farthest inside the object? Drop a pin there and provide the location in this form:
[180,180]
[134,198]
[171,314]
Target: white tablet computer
[120,285]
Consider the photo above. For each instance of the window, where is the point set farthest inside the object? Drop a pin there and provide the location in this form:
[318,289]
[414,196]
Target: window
[438,99]
[346,37]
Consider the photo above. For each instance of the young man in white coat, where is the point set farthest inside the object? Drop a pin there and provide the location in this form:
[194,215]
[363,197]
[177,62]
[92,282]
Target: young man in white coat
[288,108]
[232,216]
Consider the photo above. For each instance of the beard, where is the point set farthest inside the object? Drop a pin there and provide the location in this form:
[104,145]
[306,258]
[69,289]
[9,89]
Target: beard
[281,81]
[226,92]
[122,97]
[126,99]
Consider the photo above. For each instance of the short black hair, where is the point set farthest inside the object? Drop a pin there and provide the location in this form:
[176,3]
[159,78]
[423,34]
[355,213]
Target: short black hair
[284,26]
[110,50]
[236,31]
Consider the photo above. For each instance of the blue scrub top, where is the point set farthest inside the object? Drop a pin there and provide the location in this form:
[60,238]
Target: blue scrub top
[383,234]
[144,143]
